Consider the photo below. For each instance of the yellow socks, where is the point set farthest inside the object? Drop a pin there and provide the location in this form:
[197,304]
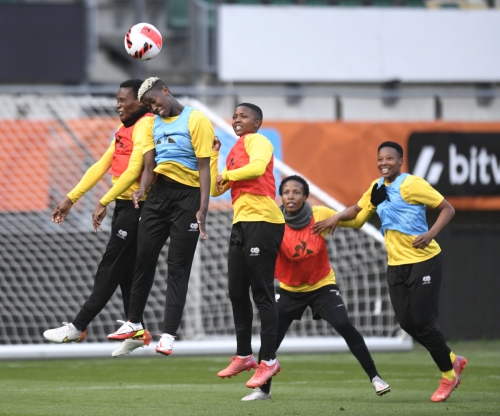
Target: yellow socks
[450,375]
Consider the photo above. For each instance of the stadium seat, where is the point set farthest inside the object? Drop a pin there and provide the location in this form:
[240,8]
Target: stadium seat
[177,14]
[320,3]
[247,2]
[383,3]
[350,3]
[414,3]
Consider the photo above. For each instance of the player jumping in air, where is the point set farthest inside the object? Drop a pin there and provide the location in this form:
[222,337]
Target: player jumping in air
[125,162]
[177,144]
[414,257]
[256,235]
[307,279]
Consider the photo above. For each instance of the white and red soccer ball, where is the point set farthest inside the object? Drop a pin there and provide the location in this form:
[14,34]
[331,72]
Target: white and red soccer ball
[143,41]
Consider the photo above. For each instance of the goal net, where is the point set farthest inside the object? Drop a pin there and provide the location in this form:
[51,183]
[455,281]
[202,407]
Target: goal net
[46,270]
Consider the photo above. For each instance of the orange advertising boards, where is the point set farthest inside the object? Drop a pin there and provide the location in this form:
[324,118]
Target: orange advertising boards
[341,157]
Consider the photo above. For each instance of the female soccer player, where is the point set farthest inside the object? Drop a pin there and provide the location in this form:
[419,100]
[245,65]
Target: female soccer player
[125,162]
[177,144]
[256,235]
[307,279]
[414,257]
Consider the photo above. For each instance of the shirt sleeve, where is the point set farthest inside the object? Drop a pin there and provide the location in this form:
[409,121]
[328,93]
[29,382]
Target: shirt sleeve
[214,171]
[416,190]
[145,132]
[134,168]
[260,150]
[93,175]
[202,134]
[322,213]
[363,216]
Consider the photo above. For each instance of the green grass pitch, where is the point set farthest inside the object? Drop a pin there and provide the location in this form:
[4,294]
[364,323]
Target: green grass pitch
[312,384]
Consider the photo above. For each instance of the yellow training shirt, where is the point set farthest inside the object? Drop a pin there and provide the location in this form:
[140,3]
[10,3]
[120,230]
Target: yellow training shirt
[202,137]
[414,190]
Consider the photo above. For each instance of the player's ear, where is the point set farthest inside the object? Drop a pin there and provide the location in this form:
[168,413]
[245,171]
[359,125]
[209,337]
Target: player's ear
[165,90]
[258,123]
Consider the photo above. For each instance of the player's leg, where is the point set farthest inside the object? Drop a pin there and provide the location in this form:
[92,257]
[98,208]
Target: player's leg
[329,306]
[425,284]
[399,292]
[152,234]
[262,241]
[184,236]
[128,273]
[131,344]
[239,294]
[290,306]
[425,281]
[110,271]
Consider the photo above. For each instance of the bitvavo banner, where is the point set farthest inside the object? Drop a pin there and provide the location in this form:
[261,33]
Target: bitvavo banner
[457,164]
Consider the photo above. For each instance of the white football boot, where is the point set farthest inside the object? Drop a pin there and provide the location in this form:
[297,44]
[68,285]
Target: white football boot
[380,386]
[65,333]
[257,394]
[131,344]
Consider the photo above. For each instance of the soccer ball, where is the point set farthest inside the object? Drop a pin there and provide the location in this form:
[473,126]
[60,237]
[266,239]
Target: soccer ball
[143,41]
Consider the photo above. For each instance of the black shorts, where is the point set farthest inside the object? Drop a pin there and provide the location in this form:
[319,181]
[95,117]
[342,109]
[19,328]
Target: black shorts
[170,210]
[293,304]
[426,274]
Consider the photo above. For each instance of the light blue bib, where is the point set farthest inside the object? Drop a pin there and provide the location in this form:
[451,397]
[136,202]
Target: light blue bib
[173,141]
[397,214]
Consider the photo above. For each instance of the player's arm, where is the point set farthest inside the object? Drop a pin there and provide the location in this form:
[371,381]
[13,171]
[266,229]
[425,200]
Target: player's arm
[324,213]
[363,215]
[88,181]
[217,185]
[416,190]
[260,151]
[147,178]
[201,215]
[357,215]
[202,138]
[145,133]
[447,212]
[331,223]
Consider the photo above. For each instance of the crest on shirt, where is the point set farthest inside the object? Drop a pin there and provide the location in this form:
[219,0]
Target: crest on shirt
[302,249]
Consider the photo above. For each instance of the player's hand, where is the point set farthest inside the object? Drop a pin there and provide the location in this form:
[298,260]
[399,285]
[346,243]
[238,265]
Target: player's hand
[379,194]
[136,197]
[422,241]
[200,219]
[97,217]
[61,211]
[330,223]
[220,183]
[216,144]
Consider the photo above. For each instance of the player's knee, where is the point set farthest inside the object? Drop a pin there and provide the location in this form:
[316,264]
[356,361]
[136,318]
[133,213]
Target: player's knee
[407,325]
[238,298]
[342,325]
[423,328]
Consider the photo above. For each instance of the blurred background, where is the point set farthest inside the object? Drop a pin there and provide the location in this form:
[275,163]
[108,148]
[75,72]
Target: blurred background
[334,78]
